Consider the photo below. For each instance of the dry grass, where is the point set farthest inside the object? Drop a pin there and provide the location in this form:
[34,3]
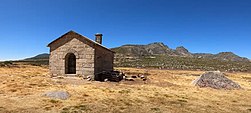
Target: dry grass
[166,91]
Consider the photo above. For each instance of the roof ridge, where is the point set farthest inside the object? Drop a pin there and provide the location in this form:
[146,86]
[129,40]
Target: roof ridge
[71,31]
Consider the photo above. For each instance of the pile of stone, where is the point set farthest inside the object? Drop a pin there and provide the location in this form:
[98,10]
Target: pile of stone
[113,76]
[133,77]
[216,80]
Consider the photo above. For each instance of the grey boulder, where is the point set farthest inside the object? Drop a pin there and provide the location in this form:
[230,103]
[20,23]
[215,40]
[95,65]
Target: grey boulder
[216,80]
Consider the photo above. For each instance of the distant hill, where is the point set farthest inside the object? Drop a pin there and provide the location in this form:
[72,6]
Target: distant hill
[44,56]
[224,56]
[41,59]
[159,48]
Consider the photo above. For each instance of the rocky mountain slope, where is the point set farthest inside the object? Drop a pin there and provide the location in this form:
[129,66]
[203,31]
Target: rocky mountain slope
[158,48]
[158,55]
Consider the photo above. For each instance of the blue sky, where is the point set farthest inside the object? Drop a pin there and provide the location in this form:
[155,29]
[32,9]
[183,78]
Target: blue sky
[208,26]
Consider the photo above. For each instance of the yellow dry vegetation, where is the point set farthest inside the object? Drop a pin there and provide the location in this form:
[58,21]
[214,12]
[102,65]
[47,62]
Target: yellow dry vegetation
[165,91]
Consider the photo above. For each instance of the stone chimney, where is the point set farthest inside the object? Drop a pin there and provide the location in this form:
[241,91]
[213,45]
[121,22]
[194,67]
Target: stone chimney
[98,38]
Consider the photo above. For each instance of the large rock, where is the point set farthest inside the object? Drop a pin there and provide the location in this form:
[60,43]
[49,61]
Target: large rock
[215,80]
[182,51]
[63,95]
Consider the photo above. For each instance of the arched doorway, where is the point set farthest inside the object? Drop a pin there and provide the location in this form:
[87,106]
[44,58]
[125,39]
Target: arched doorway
[70,64]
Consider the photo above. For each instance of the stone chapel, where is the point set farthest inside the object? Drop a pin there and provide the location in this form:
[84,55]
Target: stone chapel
[73,54]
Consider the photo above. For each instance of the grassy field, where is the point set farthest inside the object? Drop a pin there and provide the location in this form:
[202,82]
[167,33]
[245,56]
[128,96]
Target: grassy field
[182,63]
[165,91]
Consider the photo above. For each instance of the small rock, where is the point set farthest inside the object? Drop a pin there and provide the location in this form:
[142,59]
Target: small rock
[142,76]
[133,76]
[106,80]
[63,95]
[60,77]
[89,78]
[124,77]
[129,79]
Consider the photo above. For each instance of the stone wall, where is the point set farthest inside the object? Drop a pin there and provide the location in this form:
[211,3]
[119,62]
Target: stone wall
[72,43]
[103,60]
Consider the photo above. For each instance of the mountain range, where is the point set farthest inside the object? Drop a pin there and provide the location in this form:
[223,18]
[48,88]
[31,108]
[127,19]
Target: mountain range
[159,55]
[159,48]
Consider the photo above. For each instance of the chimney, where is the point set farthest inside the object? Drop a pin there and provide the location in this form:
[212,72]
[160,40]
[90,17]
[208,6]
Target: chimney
[98,38]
